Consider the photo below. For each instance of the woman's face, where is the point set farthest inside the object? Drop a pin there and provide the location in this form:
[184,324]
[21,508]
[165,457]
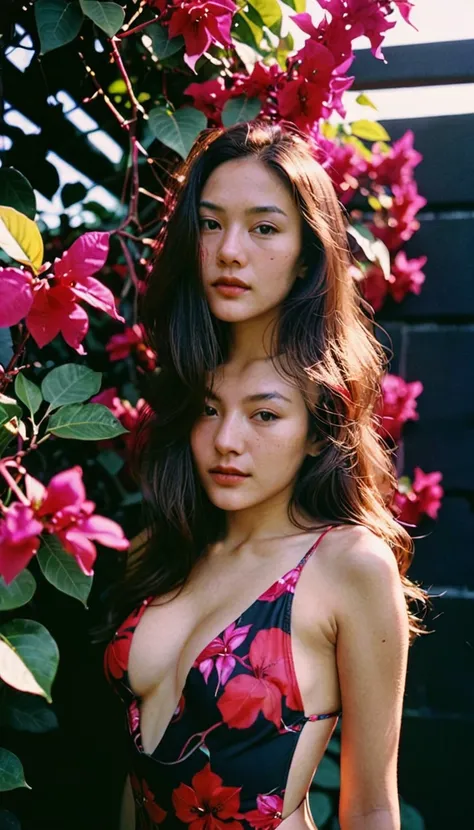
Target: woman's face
[252,437]
[251,237]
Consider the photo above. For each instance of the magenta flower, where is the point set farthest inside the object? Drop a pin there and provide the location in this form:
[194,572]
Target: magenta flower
[201,23]
[398,404]
[123,410]
[120,346]
[220,650]
[363,17]
[395,166]
[397,224]
[302,98]
[50,305]
[424,496]
[267,816]
[342,162]
[19,539]
[64,510]
[408,276]
[209,97]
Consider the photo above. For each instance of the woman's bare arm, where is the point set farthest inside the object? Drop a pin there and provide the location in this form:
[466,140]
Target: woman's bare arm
[127,811]
[372,646]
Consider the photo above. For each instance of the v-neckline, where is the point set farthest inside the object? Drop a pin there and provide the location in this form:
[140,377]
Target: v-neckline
[146,603]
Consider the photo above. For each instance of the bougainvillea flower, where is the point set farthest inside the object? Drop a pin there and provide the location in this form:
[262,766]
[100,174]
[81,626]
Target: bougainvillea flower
[16,296]
[423,497]
[267,816]
[302,98]
[207,804]
[50,305]
[397,224]
[408,276]
[219,653]
[64,510]
[145,800]
[334,34]
[202,22]
[342,162]
[19,539]
[261,691]
[131,340]
[398,404]
[395,166]
[363,17]
[209,97]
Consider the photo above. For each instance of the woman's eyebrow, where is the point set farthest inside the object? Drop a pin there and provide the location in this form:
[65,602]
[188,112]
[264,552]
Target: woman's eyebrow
[256,209]
[266,396]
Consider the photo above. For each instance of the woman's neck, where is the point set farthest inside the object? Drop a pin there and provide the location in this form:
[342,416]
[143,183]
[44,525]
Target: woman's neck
[268,520]
[252,339]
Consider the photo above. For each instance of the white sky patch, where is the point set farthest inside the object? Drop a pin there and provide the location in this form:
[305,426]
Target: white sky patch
[416,102]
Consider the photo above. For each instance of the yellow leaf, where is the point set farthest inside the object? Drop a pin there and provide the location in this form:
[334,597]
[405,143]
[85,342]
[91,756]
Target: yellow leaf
[14,672]
[365,101]
[329,130]
[370,130]
[20,238]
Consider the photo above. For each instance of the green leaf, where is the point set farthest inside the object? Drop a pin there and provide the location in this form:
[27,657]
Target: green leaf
[107,16]
[28,392]
[6,437]
[321,807]
[365,101]
[58,22]
[17,192]
[369,130]
[18,592]
[269,12]
[88,422]
[29,713]
[72,193]
[61,569]
[240,109]
[247,32]
[177,130]
[70,383]
[161,45]
[28,657]
[11,772]
[327,775]
[8,409]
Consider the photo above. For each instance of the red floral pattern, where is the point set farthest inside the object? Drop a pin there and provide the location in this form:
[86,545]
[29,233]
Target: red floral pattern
[206,804]
[240,695]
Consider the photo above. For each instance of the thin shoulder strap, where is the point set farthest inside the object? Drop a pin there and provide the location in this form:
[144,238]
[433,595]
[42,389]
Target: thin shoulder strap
[316,545]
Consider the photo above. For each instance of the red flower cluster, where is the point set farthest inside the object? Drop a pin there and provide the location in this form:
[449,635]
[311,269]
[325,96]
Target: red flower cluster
[63,509]
[423,496]
[405,277]
[132,340]
[123,410]
[51,305]
[398,405]
[200,22]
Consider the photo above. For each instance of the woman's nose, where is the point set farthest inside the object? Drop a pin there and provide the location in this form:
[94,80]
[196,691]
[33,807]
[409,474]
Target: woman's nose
[229,438]
[231,248]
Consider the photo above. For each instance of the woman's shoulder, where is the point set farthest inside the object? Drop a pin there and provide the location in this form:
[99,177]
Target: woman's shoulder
[357,559]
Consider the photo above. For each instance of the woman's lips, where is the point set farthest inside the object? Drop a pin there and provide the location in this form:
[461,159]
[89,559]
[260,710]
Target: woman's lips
[230,288]
[228,479]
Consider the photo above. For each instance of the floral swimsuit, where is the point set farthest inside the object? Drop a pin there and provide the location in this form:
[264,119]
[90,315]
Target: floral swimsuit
[224,759]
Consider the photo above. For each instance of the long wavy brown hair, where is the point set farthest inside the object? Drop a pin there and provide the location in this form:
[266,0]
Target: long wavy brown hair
[325,334]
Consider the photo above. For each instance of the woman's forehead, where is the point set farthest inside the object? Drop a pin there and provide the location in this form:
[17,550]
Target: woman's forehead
[258,377]
[252,178]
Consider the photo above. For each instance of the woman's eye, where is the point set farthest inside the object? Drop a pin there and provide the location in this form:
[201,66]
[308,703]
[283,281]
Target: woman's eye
[266,230]
[209,411]
[208,224]
[266,416]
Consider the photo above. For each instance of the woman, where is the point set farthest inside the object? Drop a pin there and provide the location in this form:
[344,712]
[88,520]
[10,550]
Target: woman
[228,728]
